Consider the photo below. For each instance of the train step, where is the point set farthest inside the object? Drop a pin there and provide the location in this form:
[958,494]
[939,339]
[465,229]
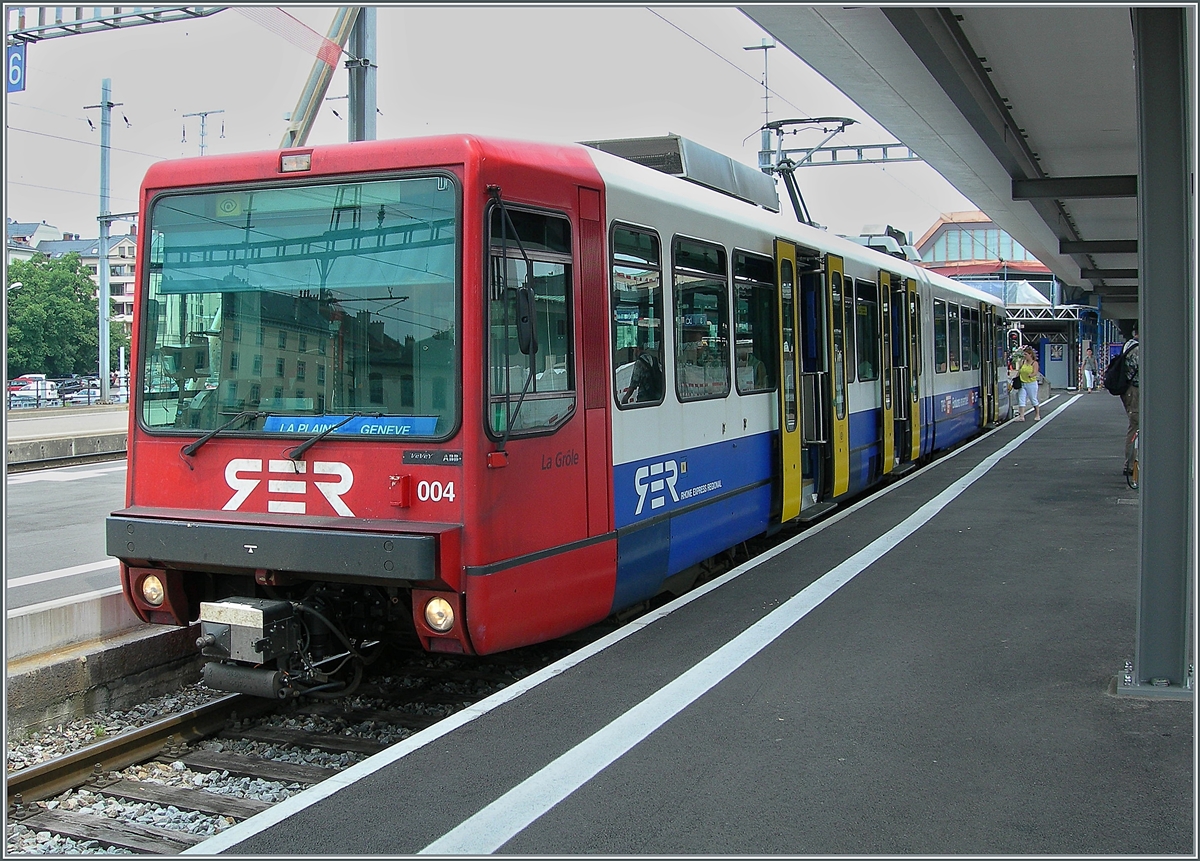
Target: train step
[814,511]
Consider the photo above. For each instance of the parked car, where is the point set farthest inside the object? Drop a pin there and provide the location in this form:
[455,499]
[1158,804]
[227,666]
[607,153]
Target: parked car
[91,394]
[35,394]
[24,380]
[74,384]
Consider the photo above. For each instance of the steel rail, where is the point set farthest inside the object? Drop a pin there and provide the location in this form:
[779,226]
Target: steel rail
[49,778]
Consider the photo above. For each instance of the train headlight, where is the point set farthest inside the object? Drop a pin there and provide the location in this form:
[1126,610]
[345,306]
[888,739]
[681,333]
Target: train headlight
[439,615]
[152,590]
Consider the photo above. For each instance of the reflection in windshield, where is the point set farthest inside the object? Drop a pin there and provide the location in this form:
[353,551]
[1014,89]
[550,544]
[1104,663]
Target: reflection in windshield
[318,301]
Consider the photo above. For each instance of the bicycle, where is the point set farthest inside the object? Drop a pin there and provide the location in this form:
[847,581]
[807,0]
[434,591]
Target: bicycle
[1131,474]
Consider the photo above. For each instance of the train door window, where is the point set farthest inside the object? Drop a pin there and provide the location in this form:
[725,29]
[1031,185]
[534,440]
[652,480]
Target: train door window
[866,316]
[954,335]
[839,345]
[914,310]
[534,392]
[939,336]
[701,320]
[849,335]
[787,301]
[637,308]
[754,322]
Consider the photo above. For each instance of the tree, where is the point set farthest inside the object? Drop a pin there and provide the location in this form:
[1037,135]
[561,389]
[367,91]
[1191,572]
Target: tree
[53,319]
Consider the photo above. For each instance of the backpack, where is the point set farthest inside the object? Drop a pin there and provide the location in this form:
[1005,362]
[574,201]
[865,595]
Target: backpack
[1116,376]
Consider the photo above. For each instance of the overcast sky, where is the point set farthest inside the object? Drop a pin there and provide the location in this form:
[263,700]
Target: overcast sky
[558,73]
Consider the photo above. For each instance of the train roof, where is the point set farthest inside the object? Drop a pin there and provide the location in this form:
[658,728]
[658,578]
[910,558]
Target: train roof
[638,179]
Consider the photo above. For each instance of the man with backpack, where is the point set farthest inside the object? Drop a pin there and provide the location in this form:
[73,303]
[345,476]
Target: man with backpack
[1122,379]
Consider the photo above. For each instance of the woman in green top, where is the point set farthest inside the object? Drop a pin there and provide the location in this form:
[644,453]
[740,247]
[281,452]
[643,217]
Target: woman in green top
[1028,373]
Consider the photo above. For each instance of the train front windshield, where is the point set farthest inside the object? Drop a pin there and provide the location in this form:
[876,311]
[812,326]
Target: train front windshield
[306,305]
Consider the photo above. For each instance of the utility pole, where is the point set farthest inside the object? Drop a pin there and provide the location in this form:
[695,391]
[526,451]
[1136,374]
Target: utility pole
[106,105]
[764,146]
[362,76]
[203,115]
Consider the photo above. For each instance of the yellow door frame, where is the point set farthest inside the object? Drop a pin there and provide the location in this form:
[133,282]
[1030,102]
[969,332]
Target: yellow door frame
[885,371]
[790,419]
[839,418]
[914,367]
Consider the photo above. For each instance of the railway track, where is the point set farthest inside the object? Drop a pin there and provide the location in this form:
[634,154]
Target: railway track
[115,792]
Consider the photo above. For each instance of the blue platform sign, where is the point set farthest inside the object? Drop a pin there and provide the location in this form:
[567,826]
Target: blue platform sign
[16,68]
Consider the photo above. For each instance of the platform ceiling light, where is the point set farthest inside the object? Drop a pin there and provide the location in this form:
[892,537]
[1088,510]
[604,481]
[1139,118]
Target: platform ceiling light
[152,590]
[439,615]
[295,162]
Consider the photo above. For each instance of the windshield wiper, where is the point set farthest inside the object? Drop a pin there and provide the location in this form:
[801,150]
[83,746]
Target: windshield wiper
[298,451]
[191,449]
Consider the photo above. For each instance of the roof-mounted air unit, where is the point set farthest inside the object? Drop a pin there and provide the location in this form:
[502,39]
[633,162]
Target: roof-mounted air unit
[689,160]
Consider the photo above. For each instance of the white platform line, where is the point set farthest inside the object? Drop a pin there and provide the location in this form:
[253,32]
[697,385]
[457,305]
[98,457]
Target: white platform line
[45,576]
[59,603]
[247,828]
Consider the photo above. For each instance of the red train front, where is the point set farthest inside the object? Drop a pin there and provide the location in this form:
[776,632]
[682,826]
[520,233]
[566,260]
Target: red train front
[372,395]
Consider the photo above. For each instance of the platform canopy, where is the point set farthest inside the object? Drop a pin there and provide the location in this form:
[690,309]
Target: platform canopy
[1029,111]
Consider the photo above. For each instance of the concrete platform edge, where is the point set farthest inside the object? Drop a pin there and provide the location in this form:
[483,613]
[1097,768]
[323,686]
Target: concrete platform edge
[24,451]
[115,672]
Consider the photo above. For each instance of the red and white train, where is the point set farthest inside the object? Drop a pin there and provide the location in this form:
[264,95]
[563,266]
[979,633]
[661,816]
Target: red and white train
[496,391]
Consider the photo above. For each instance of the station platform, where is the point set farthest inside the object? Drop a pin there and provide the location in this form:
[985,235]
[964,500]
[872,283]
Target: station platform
[65,432]
[931,671]
[70,657]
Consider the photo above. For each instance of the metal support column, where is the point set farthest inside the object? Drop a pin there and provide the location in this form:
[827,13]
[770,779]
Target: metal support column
[106,107]
[1162,661]
[362,76]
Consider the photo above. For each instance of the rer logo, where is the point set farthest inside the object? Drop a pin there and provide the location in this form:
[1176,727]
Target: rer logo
[652,480]
[288,495]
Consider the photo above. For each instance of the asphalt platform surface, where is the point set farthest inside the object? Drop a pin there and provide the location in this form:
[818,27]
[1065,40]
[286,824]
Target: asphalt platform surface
[952,698]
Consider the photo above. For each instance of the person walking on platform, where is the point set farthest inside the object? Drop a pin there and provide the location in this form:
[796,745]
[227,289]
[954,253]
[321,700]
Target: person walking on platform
[1089,370]
[1131,397]
[1028,374]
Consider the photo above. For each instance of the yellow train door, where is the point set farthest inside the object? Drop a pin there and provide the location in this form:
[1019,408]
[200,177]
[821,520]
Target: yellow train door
[987,365]
[885,371]
[790,444]
[914,366]
[840,416]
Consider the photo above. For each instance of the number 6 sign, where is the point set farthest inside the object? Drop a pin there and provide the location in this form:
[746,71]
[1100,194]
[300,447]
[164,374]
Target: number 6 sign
[16,68]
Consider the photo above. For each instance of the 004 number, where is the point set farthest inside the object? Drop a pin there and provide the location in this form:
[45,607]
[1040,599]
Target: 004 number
[435,491]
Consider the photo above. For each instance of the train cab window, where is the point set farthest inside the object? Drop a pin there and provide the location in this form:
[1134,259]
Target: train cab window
[866,318]
[533,392]
[637,308]
[754,323]
[954,335]
[381,303]
[939,336]
[701,320]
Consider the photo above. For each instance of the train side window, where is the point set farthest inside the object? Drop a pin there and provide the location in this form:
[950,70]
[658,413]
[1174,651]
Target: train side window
[549,398]
[939,336]
[637,309]
[867,323]
[973,351]
[954,335]
[701,320]
[755,327]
